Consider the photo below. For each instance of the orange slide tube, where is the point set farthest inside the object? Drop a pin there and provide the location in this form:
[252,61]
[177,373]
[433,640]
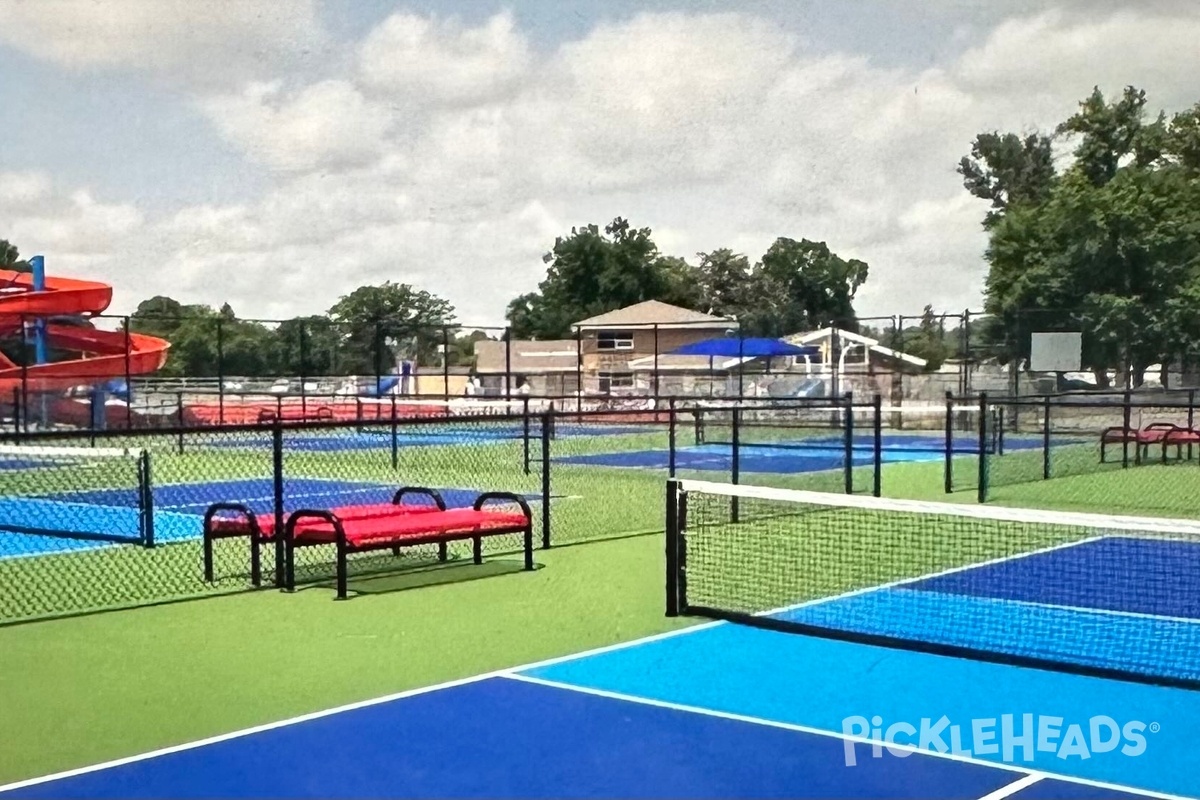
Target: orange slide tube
[104,354]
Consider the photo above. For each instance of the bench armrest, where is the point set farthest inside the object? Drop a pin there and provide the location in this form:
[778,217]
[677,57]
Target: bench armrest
[509,497]
[238,508]
[433,494]
[289,529]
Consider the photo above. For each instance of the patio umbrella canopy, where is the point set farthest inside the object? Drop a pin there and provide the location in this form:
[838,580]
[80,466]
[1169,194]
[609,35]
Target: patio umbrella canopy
[725,347]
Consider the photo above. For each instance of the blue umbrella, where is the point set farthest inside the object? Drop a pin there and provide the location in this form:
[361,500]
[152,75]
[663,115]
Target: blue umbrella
[726,347]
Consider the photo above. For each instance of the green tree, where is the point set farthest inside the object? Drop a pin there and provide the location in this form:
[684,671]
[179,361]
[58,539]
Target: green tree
[593,271]
[802,286]
[378,324]
[10,258]
[1112,248]
[1007,169]
[724,281]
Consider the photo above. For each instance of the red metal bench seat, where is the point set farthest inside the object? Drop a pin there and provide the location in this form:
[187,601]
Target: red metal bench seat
[1154,433]
[236,520]
[314,527]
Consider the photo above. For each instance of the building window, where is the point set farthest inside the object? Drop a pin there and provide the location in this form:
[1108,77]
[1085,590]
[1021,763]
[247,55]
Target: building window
[614,340]
[615,380]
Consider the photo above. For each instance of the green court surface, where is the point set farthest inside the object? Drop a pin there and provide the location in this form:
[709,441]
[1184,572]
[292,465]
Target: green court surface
[85,689]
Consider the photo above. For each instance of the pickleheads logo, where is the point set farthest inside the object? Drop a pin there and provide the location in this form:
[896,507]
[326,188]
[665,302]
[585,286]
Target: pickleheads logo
[1011,737]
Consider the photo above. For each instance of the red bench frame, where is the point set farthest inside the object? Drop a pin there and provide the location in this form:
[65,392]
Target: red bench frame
[440,527]
[1154,433]
[260,528]
[294,414]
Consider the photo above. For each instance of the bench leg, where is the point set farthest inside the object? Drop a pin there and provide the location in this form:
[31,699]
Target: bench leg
[529,547]
[289,565]
[477,549]
[255,561]
[341,570]
[396,552]
[208,557]
[442,552]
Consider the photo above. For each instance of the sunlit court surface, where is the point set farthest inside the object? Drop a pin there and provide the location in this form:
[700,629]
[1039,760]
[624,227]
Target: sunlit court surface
[718,710]
[578,399]
[1056,658]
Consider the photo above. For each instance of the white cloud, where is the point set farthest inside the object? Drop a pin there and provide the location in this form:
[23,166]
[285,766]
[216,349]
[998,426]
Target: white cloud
[201,42]
[440,61]
[453,155]
[328,125]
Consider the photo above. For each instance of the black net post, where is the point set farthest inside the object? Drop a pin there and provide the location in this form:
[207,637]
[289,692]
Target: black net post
[547,431]
[949,434]
[848,473]
[877,422]
[1046,438]
[983,447]
[146,498]
[672,547]
[277,500]
[671,437]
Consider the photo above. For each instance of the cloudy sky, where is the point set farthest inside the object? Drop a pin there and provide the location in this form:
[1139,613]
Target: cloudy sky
[277,155]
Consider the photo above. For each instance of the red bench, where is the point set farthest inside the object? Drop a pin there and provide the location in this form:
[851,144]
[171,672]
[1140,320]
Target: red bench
[236,521]
[296,414]
[1154,433]
[313,527]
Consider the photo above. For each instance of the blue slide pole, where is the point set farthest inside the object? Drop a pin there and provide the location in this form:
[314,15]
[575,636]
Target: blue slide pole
[38,265]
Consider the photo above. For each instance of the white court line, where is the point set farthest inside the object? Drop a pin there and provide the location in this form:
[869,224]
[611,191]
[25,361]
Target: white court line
[1014,787]
[1030,776]
[508,672]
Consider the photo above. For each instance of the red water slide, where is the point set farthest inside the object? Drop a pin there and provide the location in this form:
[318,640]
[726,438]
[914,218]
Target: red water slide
[99,355]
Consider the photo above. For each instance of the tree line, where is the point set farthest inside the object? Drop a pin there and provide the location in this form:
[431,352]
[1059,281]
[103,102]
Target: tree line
[1105,241]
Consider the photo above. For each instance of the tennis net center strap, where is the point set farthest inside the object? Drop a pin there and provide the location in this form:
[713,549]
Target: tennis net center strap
[1112,596]
[89,493]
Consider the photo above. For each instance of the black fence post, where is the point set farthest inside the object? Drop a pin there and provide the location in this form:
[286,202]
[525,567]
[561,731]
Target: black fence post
[179,419]
[547,429]
[1127,420]
[877,485]
[983,447]
[146,484]
[579,375]
[672,555]
[671,437]
[128,378]
[949,469]
[849,443]
[277,475]
[446,363]
[656,361]
[303,376]
[735,466]
[1191,423]
[507,363]
[525,432]
[220,371]
[18,411]
[395,436]
[1046,438]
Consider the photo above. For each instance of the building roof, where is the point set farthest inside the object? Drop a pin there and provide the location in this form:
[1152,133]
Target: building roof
[531,357]
[872,345]
[654,312]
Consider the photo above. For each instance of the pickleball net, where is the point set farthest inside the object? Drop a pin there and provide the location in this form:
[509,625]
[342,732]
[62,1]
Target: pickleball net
[88,493]
[1114,597]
